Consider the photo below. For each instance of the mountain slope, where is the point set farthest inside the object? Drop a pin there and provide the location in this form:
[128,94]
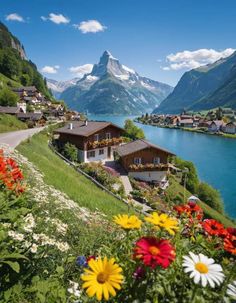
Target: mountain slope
[14,65]
[113,88]
[57,87]
[197,89]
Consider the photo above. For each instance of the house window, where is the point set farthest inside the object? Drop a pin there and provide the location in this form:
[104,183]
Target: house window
[91,154]
[101,151]
[96,137]
[108,136]
[137,160]
[156,160]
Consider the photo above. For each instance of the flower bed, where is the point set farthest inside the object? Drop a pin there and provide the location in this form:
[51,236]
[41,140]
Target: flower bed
[164,258]
[148,167]
[105,142]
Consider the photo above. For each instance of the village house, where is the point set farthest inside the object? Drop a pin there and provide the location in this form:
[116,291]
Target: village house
[216,126]
[230,128]
[36,118]
[185,123]
[95,140]
[144,161]
[9,110]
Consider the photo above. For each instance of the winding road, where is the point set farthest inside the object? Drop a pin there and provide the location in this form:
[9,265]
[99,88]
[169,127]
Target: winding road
[15,138]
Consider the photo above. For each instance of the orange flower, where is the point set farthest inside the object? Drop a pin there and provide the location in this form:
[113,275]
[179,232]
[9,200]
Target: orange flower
[213,227]
[230,244]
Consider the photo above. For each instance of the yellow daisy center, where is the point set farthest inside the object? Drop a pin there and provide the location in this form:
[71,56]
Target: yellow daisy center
[154,250]
[102,277]
[201,267]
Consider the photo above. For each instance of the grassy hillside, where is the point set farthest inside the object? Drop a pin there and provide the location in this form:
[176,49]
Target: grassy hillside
[66,179]
[10,123]
[5,81]
[175,189]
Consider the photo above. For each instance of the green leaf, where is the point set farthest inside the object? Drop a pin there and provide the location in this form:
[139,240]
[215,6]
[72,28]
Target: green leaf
[14,265]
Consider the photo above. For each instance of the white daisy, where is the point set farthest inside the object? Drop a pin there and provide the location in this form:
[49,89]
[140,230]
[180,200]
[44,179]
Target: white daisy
[203,270]
[231,290]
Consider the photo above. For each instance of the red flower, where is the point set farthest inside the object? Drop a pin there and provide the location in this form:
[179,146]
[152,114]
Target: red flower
[191,210]
[214,228]
[10,175]
[231,231]
[230,244]
[154,252]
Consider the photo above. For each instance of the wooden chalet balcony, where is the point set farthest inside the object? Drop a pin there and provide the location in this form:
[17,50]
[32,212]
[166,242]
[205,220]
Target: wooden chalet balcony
[105,143]
[148,167]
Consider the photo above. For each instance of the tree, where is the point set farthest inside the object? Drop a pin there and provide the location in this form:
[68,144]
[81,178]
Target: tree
[210,196]
[7,97]
[132,131]
[192,181]
[70,151]
[9,64]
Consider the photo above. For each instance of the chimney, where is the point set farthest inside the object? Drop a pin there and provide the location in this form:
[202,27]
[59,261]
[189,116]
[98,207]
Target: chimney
[86,123]
[70,126]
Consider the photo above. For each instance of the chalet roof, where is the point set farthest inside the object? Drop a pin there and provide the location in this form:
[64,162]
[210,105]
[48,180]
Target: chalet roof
[9,109]
[137,145]
[80,129]
[231,123]
[217,122]
[30,116]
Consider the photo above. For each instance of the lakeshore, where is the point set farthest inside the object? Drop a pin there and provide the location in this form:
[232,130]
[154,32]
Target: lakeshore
[194,130]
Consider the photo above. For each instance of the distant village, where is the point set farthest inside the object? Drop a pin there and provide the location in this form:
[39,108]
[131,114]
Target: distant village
[219,121]
[35,109]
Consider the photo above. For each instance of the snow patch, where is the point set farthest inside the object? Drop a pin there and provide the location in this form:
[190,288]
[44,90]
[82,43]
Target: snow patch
[128,69]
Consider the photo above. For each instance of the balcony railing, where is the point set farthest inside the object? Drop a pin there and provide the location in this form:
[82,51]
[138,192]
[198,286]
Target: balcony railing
[105,142]
[148,167]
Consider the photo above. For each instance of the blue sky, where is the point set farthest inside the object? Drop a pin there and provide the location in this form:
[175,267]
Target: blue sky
[159,39]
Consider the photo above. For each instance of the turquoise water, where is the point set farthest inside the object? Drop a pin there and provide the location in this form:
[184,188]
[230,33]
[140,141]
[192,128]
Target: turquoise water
[214,157]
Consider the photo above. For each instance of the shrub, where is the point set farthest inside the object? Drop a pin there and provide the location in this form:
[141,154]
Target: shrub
[210,196]
[133,131]
[70,151]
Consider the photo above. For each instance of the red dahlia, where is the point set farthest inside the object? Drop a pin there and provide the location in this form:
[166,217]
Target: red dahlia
[154,252]
[214,228]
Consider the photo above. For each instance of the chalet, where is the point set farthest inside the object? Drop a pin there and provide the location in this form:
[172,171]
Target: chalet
[204,123]
[144,161]
[35,118]
[95,140]
[186,123]
[230,128]
[216,126]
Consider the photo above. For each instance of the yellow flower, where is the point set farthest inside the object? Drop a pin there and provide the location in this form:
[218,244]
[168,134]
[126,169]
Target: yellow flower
[128,222]
[102,278]
[163,221]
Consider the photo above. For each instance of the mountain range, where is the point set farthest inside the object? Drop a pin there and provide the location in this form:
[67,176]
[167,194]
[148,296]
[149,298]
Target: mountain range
[112,88]
[203,88]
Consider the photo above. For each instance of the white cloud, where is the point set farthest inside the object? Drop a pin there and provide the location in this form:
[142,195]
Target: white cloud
[81,70]
[58,19]
[90,26]
[50,69]
[15,17]
[193,59]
